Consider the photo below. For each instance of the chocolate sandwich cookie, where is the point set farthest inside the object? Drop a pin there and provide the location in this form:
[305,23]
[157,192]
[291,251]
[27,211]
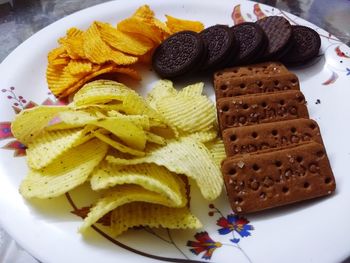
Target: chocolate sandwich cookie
[260,108]
[255,83]
[270,136]
[307,43]
[251,41]
[262,181]
[279,34]
[221,46]
[179,54]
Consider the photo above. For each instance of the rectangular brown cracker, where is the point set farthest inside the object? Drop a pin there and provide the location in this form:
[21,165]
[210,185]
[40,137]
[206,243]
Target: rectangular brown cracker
[260,108]
[261,181]
[274,135]
[251,84]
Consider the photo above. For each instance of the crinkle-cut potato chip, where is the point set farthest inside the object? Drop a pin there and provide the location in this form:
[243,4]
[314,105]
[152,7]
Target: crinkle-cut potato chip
[141,121]
[71,119]
[161,89]
[193,90]
[56,53]
[106,68]
[50,145]
[129,133]
[217,150]
[202,136]
[117,145]
[97,51]
[101,92]
[30,122]
[64,173]
[176,24]
[73,42]
[184,156]
[78,67]
[188,113]
[122,41]
[149,176]
[119,196]
[152,215]
[143,22]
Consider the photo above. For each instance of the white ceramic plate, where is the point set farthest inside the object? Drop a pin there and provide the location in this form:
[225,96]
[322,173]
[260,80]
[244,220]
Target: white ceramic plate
[314,231]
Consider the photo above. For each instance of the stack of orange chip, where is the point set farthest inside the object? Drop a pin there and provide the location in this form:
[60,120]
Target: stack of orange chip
[103,48]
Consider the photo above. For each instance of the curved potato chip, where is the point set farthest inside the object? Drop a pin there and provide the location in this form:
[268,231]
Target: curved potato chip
[193,90]
[97,51]
[139,120]
[184,156]
[30,122]
[161,89]
[119,196]
[176,24]
[117,145]
[217,150]
[50,145]
[78,67]
[129,133]
[73,42]
[149,176]
[152,215]
[203,136]
[64,173]
[189,114]
[124,42]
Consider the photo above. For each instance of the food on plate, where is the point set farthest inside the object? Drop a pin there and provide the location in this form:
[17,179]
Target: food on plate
[106,49]
[274,154]
[307,43]
[228,84]
[270,136]
[176,25]
[221,45]
[133,152]
[181,53]
[261,108]
[279,34]
[251,41]
[260,181]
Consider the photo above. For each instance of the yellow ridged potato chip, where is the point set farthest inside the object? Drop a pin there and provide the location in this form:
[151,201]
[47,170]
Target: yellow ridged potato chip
[152,215]
[129,133]
[141,121]
[29,123]
[188,113]
[149,176]
[217,150]
[119,196]
[117,145]
[97,51]
[123,42]
[73,42]
[194,90]
[79,67]
[50,145]
[184,156]
[176,25]
[161,89]
[203,136]
[64,173]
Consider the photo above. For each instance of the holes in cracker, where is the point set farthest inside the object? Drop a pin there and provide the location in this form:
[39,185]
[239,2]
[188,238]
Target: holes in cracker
[320,154]
[299,159]
[255,167]
[276,82]
[306,185]
[282,102]
[233,137]
[254,134]
[232,171]
[245,106]
[293,130]
[294,81]
[274,132]
[285,189]
[278,163]
[225,108]
[312,126]
[264,104]
[328,180]
[223,87]
[242,85]
[300,99]
[259,83]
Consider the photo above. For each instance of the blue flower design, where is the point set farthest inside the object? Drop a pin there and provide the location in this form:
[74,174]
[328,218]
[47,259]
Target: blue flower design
[348,71]
[234,223]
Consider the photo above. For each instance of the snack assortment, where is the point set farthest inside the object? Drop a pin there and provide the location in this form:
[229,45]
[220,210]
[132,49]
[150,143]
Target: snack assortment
[275,154]
[135,152]
[271,38]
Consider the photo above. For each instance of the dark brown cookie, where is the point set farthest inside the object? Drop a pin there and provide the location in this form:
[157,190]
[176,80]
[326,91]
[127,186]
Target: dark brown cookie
[221,46]
[262,181]
[260,108]
[307,43]
[279,34]
[252,42]
[269,136]
[255,83]
[179,54]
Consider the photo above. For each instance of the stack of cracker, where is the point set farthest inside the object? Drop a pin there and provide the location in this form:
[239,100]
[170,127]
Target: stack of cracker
[275,153]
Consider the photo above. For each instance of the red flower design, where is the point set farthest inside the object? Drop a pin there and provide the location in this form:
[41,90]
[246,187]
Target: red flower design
[20,148]
[5,130]
[205,243]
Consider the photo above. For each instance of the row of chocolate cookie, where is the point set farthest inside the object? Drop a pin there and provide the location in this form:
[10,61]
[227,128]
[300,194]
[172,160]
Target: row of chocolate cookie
[275,153]
[271,38]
